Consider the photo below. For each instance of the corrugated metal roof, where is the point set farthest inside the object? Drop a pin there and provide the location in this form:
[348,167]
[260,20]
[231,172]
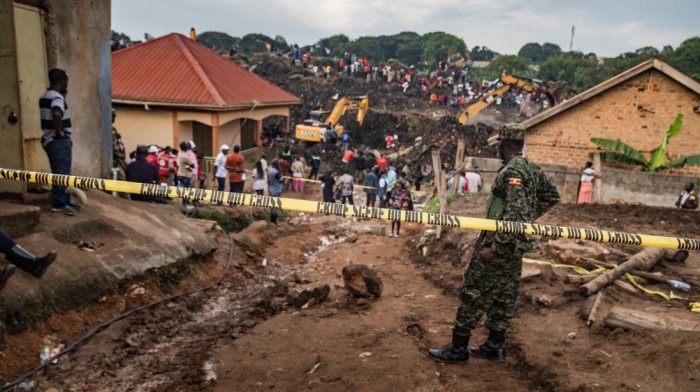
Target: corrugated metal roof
[176,70]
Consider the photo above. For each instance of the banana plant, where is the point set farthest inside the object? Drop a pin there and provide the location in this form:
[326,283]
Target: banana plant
[624,154]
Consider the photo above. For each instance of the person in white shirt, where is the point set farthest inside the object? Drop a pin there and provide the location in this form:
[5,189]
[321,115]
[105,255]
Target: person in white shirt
[220,171]
[473,179]
[585,194]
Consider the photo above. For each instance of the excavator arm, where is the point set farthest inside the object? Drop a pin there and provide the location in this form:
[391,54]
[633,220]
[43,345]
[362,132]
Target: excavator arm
[356,103]
[509,81]
[310,131]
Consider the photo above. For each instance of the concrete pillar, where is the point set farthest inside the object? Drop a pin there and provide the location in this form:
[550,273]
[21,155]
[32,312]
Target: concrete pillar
[215,133]
[598,181]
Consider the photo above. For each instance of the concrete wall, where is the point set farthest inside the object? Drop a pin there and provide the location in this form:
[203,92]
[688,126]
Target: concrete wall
[636,112]
[138,126]
[78,33]
[651,189]
[230,133]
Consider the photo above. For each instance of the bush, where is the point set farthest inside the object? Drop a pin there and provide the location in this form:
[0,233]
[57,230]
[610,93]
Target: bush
[433,206]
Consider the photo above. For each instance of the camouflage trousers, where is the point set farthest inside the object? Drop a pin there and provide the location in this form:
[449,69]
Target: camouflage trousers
[492,288]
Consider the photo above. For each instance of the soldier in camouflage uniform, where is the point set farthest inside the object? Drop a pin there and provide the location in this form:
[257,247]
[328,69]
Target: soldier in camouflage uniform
[521,193]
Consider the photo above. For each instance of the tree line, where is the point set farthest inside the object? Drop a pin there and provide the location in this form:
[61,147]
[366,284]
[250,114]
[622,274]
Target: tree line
[543,61]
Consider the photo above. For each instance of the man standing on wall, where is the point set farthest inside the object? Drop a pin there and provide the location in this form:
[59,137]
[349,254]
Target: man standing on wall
[55,122]
[235,164]
[521,193]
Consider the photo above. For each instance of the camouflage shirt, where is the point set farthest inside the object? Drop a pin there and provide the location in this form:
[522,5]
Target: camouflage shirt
[521,193]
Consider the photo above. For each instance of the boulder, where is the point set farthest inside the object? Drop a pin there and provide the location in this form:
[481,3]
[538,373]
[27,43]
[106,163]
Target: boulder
[362,281]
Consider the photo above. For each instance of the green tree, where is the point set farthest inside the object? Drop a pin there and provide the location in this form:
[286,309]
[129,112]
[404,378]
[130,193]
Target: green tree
[438,46]
[565,67]
[532,51]
[624,154]
[336,43]
[513,65]
[549,49]
[119,36]
[254,43]
[221,41]
[686,58]
[482,53]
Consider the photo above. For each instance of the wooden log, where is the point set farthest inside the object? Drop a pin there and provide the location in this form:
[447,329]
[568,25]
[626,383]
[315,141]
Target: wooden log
[634,319]
[655,276]
[598,180]
[625,286]
[594,316]
[440,184]
[578,279]
[459,159]
[640,261]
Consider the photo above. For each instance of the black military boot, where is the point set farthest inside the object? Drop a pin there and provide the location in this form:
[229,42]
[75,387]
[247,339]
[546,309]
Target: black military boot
[30,263]
[5,274]
[493,349]
[455,352]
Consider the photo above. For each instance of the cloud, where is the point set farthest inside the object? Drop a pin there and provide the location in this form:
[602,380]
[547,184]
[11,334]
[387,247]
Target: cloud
[602,26]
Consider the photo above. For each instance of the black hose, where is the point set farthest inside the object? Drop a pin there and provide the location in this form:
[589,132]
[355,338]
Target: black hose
[106,324]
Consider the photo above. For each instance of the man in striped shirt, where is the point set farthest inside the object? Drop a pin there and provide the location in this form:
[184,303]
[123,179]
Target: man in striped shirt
[55,122]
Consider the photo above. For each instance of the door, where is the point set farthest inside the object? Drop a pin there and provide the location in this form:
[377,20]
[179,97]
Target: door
[201,136]
[32,70]
[10,115]
[248,133]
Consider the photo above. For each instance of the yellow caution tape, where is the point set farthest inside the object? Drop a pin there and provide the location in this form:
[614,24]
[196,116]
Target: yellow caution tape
[669,296]
[694,306]
[350,210]
[579,270]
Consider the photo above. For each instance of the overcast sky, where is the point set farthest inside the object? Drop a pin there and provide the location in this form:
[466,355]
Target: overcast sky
[606,27]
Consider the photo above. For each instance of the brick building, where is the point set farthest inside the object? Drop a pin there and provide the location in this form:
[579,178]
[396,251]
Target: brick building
[634,107]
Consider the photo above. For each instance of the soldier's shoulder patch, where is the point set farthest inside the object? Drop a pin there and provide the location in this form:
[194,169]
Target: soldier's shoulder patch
[514,181]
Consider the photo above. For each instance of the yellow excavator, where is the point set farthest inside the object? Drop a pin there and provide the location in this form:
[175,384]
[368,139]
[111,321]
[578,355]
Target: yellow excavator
[509,82]
[310,130]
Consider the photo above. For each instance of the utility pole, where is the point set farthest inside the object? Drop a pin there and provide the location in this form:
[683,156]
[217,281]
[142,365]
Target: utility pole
[571,43]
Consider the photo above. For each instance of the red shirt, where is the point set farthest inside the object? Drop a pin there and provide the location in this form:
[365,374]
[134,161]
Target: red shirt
[163,163]
[235,160]
[348,155]
[388,141]
[284,167]
[381,162]
[152,159]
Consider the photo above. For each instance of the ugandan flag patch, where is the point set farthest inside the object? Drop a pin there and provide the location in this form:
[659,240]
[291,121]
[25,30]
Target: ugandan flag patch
[514,181]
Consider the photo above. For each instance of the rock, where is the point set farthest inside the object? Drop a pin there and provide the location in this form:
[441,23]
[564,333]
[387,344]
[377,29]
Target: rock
[310,297]
[362,281]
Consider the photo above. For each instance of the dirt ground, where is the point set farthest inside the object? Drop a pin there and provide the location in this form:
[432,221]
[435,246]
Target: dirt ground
[243,334]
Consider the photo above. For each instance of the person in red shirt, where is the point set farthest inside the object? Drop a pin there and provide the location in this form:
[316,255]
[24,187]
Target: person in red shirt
[382,163]
[235,164]
[284,169]
[152,156]
[389,140]
[165,165]
[349,154]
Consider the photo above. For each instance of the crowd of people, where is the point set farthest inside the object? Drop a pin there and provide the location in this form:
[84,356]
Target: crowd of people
[449,84]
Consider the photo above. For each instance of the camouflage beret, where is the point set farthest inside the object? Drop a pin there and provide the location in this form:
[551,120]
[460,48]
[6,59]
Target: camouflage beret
[513,131]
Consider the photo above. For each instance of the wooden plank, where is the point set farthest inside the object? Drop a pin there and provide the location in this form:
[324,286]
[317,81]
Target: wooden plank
[594,316]
[634,319]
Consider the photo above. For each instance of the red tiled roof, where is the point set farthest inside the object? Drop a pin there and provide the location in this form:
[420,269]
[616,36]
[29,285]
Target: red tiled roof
[176,70]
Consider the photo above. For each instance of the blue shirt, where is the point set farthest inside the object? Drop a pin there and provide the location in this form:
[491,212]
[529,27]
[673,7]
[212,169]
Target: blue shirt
[274,181]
